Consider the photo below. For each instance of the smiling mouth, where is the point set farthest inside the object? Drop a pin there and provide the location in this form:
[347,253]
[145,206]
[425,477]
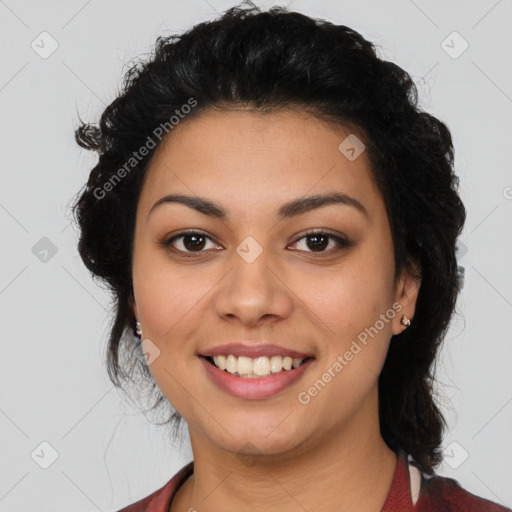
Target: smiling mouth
[255,368]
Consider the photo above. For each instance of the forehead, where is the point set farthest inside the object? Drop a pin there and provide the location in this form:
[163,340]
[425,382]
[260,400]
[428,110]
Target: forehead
[256,157]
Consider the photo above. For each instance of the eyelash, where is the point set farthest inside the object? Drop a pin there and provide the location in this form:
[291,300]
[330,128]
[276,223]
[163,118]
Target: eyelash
[343,243]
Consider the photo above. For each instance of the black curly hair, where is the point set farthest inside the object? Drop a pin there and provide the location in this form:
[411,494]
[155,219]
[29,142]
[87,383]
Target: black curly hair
[266,61]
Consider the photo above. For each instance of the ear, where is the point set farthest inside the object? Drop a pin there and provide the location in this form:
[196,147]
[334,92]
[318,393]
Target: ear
[133,305]
[407,290]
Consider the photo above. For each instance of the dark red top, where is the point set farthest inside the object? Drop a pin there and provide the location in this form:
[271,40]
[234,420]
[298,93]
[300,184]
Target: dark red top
[411,491]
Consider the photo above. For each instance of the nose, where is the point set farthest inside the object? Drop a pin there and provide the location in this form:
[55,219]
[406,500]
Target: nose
[253,292]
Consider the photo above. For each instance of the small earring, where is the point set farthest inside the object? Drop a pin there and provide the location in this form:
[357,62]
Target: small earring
[405,321]
[138,329]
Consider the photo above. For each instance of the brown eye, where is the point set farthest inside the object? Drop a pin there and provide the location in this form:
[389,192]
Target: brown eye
[318,241]
[189,242]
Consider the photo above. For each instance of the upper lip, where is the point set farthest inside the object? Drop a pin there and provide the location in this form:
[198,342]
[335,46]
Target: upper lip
[253,351]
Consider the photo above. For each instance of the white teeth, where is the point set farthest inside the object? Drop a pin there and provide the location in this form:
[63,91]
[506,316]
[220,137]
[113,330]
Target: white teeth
[231,364]
[244,365]
[220,361]
[261,366]
[258,367]
[276,364]
[296,362]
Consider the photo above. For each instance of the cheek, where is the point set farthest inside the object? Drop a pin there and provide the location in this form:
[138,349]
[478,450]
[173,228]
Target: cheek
[349,299]
[164,293]
[170,308]
[168,305]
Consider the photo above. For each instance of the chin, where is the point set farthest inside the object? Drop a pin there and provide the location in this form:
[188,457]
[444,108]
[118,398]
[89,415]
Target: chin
[260,438]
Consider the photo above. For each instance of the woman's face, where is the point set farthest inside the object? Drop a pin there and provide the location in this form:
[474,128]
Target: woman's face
[255,277]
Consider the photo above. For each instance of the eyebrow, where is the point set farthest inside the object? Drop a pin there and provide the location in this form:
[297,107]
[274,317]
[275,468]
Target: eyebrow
[287,210]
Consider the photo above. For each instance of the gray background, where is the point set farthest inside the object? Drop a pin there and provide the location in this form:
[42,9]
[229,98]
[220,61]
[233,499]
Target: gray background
[54,318]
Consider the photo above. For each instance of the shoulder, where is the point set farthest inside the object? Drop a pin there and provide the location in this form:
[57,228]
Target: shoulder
[160,500]
[446,494]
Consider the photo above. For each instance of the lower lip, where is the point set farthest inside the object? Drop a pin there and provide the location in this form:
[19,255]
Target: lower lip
[263,387]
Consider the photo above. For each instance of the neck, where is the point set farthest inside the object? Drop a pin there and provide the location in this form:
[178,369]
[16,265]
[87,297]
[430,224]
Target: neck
[349,469]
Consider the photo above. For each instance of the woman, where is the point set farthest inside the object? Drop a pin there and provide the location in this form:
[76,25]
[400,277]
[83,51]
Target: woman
[277,221]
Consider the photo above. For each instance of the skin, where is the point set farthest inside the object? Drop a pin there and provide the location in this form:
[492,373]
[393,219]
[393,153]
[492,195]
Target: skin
[250,164]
